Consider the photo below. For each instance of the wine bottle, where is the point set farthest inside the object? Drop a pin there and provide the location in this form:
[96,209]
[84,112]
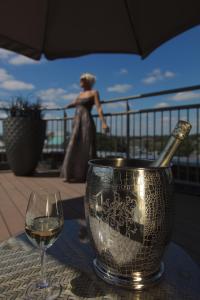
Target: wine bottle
[179,133]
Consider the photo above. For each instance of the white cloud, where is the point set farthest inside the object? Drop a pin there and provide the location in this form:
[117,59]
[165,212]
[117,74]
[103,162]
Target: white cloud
[18,60]
[75,86]
[123,71]
[183,96]
[157,75]
[51,94]
[15,85]
[4,104]
[120,88]
[169,74]
[4,75]
[8,82]
[149,80]
[5,54]
[3,115]
[161,105]
[70,96]
[49,116]
[50,104]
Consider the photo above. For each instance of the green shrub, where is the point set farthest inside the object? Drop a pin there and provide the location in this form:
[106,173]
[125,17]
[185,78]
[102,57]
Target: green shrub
[21,107]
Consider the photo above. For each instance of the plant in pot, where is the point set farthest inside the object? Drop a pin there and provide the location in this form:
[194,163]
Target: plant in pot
[24,135]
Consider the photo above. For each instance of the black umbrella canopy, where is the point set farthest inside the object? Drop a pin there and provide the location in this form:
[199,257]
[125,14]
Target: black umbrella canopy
[63,28]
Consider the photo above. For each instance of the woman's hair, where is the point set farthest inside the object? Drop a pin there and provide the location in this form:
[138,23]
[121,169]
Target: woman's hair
[89,77]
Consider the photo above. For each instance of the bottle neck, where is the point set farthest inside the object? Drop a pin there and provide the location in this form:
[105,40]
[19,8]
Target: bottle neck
[167,153]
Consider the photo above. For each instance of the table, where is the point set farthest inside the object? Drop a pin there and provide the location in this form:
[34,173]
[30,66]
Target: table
[69,263]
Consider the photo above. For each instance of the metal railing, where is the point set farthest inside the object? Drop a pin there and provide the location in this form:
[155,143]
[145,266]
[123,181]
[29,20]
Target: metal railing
[133,134]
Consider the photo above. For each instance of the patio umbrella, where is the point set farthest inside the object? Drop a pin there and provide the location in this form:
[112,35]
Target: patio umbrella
[64,28]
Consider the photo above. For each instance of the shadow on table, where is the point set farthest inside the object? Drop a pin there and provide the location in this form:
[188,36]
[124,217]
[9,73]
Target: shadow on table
[73,208]
[84,286]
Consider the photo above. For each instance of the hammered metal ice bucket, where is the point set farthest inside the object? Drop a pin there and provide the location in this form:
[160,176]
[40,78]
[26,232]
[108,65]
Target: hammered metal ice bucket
[129,217]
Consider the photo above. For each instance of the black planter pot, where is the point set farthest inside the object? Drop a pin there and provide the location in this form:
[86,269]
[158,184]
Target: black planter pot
[24,140]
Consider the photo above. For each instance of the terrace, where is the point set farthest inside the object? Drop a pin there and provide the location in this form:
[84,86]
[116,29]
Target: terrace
[133,134]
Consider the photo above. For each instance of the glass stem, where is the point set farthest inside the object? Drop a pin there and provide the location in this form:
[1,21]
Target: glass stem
[43,280]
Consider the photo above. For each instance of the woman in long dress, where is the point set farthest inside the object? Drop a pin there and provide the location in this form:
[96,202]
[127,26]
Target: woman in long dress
[81,147]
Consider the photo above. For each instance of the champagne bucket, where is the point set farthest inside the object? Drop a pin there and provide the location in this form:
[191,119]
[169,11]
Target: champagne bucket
[129,218]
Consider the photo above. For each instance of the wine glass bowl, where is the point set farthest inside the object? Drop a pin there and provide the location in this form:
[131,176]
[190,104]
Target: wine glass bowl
[43,225]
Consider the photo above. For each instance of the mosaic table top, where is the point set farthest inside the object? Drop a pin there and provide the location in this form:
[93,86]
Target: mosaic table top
[69,264]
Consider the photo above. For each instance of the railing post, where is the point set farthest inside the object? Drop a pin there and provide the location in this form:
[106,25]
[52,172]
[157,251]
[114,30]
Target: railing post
[127,129]
[65,130]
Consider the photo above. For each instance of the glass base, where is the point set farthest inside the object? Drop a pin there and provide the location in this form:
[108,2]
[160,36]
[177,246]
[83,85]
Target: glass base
[136,281]
[43,291]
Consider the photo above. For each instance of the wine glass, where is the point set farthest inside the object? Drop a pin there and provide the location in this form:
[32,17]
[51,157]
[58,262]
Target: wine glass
[44,222]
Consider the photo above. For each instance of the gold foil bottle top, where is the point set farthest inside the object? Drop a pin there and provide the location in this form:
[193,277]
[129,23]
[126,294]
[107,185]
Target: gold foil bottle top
[181,130]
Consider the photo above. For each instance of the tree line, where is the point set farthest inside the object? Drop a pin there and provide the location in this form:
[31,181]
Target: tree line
[145,143]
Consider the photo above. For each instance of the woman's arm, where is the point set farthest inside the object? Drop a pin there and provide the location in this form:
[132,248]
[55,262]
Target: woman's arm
[100,111]
[72,104]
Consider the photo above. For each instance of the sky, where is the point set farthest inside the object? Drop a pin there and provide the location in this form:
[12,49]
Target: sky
[175,64]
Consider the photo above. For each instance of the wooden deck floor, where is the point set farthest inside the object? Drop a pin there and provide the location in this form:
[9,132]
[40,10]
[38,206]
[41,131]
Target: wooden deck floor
[15,191]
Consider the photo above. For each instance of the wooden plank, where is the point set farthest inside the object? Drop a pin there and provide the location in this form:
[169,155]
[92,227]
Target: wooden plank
[72,201]
[29,182]
[78,188]
[17,198]
[14,194]
[19,185]
[55,182]
[12,217]
[4,231]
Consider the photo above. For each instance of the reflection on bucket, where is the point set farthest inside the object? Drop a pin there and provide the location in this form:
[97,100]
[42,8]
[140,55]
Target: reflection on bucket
[129,217]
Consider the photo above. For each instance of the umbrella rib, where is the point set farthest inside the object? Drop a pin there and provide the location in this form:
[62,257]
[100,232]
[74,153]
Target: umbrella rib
[133,29]
[45,28]
[19,47]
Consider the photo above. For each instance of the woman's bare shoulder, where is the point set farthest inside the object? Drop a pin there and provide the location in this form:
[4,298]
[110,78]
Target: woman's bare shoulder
[95,92]
[91,93]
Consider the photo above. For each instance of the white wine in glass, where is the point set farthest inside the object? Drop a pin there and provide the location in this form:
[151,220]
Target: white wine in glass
[44,222]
